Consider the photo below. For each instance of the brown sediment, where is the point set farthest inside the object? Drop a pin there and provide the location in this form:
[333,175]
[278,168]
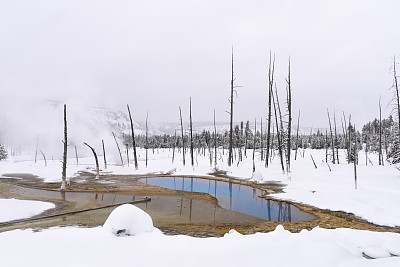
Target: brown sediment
[211,220]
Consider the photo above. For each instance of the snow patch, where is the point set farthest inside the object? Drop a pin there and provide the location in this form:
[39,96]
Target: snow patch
[128,220]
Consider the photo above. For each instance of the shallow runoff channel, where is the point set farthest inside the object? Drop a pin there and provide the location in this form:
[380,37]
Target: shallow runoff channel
[236,197]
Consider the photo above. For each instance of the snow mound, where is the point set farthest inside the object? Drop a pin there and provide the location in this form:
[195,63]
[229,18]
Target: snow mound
[128,220]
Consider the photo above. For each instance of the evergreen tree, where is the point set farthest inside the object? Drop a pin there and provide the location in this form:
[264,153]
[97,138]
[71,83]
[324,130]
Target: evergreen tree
[3,153]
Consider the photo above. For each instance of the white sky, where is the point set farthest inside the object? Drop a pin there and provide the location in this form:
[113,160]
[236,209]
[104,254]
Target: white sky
[154,55]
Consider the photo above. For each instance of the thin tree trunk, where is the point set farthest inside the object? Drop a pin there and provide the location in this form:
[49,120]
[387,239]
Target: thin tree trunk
[278,136]
[191,133]
[254,144]
[97,161]
[289,107]
[336,139]
[270,94]
[173,148]
[104,155]
[76,155]
[230,159]
[380,133]
[44,158]
[183,138]
[297,136]
[397,96]
[133,140]
[147,141]
[332,140]
[64,163]
[355,157]
[215,143]
[315,165]
[127,154]
[349,137]
[37,144]
[262,143]
[119,150]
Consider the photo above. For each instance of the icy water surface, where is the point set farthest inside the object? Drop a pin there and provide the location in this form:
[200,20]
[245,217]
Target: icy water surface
[236,197]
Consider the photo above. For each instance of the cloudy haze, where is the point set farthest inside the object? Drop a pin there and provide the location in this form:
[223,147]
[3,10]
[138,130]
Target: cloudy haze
[154,55]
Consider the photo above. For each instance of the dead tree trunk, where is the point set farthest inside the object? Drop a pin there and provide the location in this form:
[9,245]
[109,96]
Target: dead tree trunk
[97,161]
[254,144]
[355,157]
[215,143]
[119,150]
[104,155]
[147,141]
[297,136]
[183,138]
[76,155]
[64,163]
[397,97]
[380,133]
[127,154]
[332,140]
[37,144]
[349,145]
[262,142]
[230,159]
[289,108]
[133,139]
[270,95]
[44,158]
[173,148]
[336,139]
[191,133]
[278,136]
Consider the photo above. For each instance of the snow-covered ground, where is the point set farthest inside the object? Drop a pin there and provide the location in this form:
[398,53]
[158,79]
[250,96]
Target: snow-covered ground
[147,246]
[375,198]
[13,209]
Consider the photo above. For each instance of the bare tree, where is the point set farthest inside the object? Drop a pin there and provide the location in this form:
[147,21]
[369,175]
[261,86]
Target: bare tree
[289,109]
[127,154]
[278,133]
[133,139]
[147,142]
[355,157]
[183,137]
[215,143]
[230,159]
[44,158]
[336,139]
[271,70]
[396,87]
[262,143]
[297,136]
[97,161]
[173,148]
[104,155]
[37,144]
[380,133]
[191,132]
[332,140]
[119,150]
[76,156]
[254,144]
[64,162]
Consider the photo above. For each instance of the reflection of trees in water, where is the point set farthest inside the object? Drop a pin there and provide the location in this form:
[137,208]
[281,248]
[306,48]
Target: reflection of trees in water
[284,212]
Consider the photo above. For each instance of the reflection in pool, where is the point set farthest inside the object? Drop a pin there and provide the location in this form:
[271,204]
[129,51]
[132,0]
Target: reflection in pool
[236,197]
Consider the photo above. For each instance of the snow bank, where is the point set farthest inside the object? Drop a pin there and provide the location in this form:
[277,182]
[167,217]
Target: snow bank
[94,247]
[127,220]
[13,209]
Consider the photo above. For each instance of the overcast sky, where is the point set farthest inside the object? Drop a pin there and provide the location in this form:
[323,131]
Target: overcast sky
[154,55]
